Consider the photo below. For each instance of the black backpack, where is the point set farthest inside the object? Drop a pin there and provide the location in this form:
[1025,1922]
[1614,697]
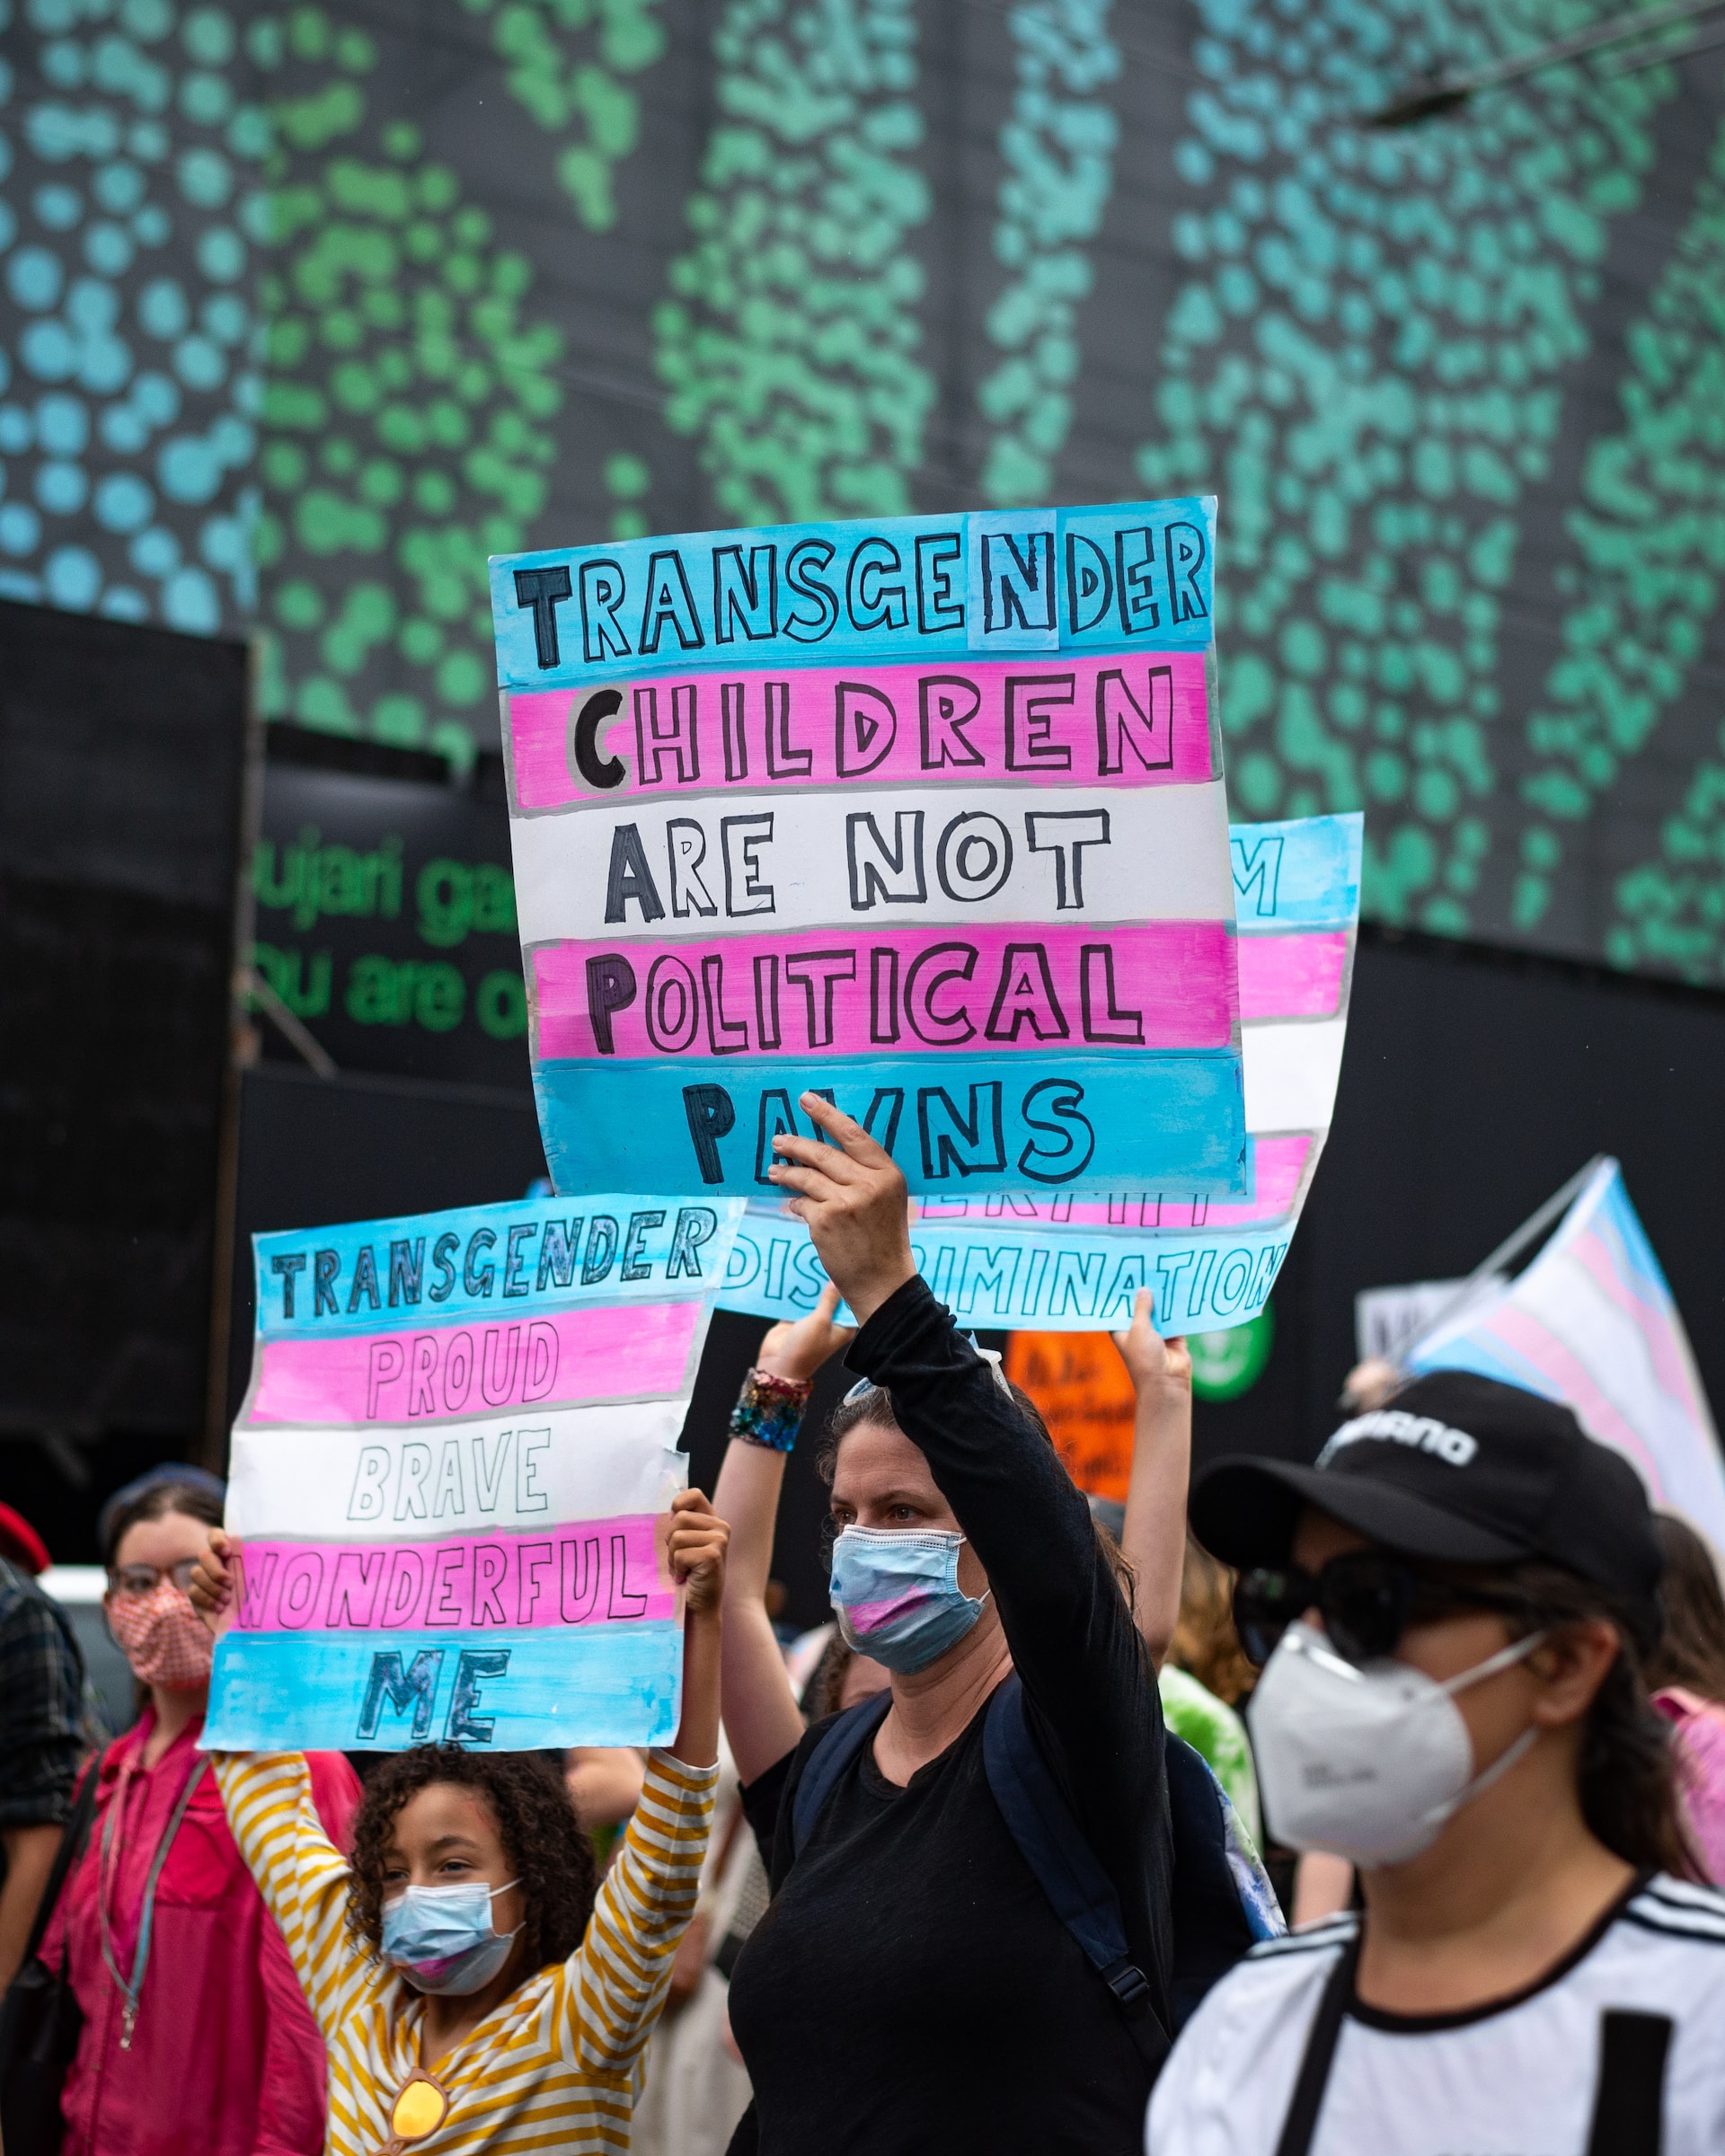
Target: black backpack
[1216,1915]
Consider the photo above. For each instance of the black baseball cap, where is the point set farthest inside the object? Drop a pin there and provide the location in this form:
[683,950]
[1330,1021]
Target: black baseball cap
[1459,1468]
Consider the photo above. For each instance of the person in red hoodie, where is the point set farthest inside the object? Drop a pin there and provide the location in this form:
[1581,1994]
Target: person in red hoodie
[195,2034]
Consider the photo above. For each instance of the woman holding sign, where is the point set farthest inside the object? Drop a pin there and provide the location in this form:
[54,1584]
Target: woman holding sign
[194,2032]
[467,1981]
[911,1987]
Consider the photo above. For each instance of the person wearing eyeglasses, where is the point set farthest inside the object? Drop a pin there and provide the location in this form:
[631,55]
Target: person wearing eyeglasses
[911,1985]
[195,2033]
[1449,1608]
[474,1992]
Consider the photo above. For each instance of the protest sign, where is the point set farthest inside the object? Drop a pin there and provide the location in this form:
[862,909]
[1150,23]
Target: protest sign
[1591,1321]
[1023,1260]
[926,813]
[451,1472]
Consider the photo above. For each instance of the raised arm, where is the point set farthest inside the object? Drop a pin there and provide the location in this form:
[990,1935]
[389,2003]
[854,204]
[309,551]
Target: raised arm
[761,1716]
[1066,1622]
[1154,1536]
[616,1978]
[300,1873]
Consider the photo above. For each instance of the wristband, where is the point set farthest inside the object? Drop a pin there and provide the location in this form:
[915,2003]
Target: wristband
[769,1411]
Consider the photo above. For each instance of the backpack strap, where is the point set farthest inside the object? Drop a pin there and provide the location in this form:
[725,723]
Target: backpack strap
[1320,2055]
[1063,1864]
[1629,2104]
[843,1739]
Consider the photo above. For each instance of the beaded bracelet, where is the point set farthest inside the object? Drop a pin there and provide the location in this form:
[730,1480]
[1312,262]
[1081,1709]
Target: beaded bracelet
[769,1411]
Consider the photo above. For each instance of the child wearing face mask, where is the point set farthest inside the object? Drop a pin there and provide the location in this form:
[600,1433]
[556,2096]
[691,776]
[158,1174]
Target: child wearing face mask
[1449,1609]
[194,2033]
[471,1988]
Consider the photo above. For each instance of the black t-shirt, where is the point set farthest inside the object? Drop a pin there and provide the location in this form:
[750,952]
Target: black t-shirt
[910,1989]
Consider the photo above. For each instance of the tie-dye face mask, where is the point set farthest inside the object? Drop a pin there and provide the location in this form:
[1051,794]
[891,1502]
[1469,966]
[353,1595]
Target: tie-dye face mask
[898,1597]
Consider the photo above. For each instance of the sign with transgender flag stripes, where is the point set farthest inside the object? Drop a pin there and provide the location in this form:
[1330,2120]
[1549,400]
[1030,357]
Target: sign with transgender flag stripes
[926,813]
[1029,1259]
[451,1474]
[1591,1321]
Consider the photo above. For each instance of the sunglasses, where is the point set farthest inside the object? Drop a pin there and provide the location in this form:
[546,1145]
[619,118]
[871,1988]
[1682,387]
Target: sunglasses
[1366,1599]
[132,1583]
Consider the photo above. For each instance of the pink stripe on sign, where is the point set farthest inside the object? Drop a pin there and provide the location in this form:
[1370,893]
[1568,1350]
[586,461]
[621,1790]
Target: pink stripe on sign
[1291,976]
[1058,719]
[1167,985]
[580,1572]
[1278,1163]
[614,1352]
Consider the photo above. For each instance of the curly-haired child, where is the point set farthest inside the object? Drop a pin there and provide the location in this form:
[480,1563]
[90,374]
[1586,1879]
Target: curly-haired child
[468,1984]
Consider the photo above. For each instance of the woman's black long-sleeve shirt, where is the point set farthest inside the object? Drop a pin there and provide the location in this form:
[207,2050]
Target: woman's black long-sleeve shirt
[910,1989]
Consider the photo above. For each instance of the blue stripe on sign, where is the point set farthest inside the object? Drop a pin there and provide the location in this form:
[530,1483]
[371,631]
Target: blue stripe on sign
[526,1690]
[1062,1279]
[1302,874]
[1119,575]
[1151,1122]
[524,1260]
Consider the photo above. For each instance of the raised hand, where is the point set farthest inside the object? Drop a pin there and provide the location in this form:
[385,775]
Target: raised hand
[695,1551]
[852,1197]
[1153,1363]
[796,1348]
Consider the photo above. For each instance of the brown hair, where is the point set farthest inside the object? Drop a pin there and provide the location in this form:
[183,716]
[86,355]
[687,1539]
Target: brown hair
[1691,1648]
[1626,1775]
[875,1406]
[155,1501]
[1205,1642]
[547,1851]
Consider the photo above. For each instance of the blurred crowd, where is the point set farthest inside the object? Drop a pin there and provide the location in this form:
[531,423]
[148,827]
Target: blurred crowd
[1378,1804]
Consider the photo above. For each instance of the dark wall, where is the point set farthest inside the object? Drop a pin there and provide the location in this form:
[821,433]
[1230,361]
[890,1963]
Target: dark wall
[122,755]
[1475,1082]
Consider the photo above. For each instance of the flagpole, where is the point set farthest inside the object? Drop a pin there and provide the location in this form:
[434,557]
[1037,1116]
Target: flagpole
[1530,1230]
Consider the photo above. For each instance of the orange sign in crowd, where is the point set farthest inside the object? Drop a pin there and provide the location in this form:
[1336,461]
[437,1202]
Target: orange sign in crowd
[1080,1383]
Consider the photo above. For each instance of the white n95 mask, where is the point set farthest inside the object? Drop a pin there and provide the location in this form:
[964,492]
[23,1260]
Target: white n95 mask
[1366,1764]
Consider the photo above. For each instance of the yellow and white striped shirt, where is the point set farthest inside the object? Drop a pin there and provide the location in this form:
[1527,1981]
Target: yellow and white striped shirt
[558,2063]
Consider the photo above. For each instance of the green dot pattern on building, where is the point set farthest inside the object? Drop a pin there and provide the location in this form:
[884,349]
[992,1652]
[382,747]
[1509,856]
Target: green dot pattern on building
[130,214]
[1649,540]
[302,316]
[568,66]
[790,339]
[1057,152]
[407,416]
[1367,362]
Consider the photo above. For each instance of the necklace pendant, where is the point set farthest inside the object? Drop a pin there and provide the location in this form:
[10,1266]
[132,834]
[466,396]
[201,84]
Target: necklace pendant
[128,2022]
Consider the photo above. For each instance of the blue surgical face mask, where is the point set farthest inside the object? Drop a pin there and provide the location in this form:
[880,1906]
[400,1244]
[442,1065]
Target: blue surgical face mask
[898,1597]
[442,1939]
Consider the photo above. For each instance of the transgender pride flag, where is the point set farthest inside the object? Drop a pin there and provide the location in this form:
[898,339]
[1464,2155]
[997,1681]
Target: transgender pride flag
[1591,1322]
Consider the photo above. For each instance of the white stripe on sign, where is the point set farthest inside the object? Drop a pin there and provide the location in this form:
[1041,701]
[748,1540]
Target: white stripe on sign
[1292,1073]
[893,858]
[518,1470]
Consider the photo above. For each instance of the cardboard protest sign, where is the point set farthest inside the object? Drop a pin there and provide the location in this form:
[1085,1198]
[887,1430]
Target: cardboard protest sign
[450,1475]
[1023,1260]
[924,812]
[1591,1321]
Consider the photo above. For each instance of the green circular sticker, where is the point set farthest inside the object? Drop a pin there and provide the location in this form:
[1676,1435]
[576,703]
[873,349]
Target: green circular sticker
[1224,1364]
